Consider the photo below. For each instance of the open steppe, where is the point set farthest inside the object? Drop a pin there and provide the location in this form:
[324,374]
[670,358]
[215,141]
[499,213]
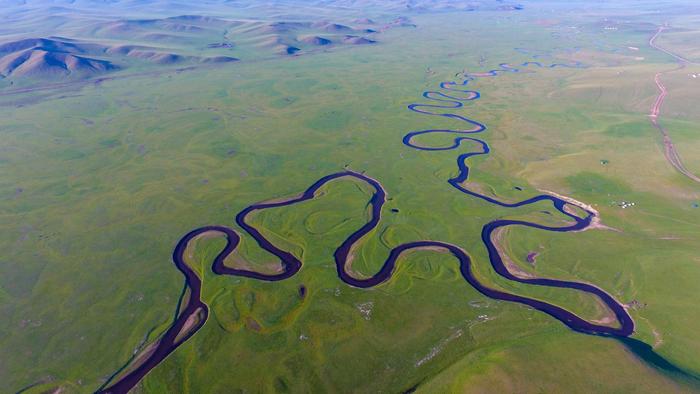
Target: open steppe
[128,127]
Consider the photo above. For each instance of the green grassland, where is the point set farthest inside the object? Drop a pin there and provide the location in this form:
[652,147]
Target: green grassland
[100,182]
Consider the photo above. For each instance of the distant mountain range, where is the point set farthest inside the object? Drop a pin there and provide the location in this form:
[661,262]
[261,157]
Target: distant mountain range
[52,39]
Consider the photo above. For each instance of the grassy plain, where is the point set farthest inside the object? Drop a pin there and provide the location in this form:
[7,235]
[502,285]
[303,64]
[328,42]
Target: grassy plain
[100,182]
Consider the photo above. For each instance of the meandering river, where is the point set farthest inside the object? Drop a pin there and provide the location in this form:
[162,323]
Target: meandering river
[450,97]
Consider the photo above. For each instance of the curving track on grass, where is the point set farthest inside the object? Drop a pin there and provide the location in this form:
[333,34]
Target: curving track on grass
[193,314]
[670,151]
